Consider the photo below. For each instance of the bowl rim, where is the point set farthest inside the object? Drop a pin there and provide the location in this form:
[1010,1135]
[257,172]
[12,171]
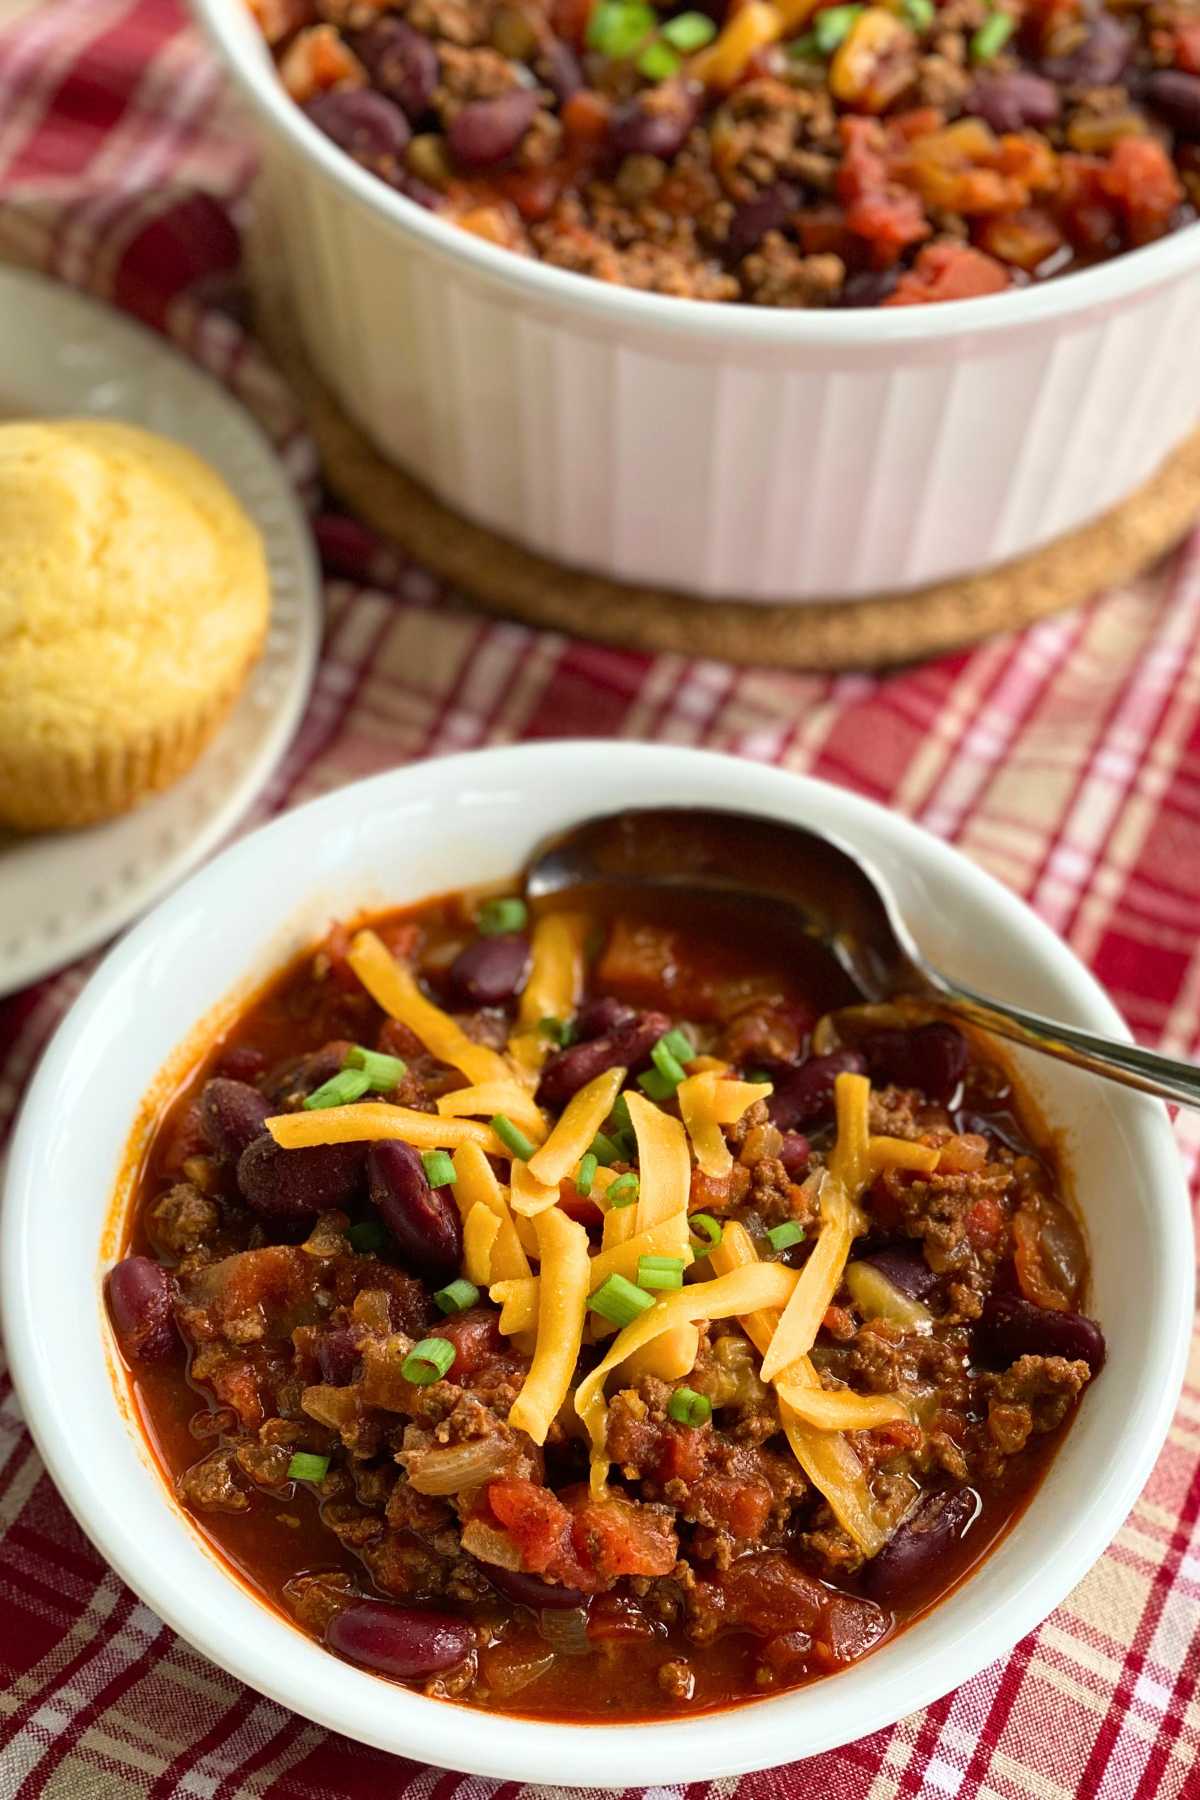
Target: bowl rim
[734,1741]
[1122,278]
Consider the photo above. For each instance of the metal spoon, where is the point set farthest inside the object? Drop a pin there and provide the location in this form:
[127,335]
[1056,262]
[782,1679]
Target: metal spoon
[840,900]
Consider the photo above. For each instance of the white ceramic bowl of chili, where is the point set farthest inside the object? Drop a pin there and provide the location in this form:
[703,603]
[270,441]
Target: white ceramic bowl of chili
[716,449]
[443,825]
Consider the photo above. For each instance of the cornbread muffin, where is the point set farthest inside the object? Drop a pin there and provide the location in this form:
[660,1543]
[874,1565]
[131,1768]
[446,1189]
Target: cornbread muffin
[133,603]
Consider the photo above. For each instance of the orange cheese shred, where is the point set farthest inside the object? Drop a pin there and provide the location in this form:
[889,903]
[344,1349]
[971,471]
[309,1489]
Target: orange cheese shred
[571,1137]
[373,1120]
[552,987]
[395,989]
[562,1303]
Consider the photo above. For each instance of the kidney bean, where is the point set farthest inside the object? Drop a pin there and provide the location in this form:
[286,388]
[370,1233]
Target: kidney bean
[485,132]
[491,970]
[531,1590]
[1014,101]
[655,123]
[401,62]
[1175,97]
[795,1153]
[752,220]
[914,1556]
[931,1057]
[597,1016]
[805,1094]
[1099,61]
[337,1356]
[869,287]
[241,1063]
[628,1045]
[232,1114]
[404,1642]
[413,189]
[139,1294]
[1011,1326]
[424,1221]
[907,1270]
[290,1186]
[561,70]
[365,124]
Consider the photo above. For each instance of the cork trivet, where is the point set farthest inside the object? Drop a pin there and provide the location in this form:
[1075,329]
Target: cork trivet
[888,628]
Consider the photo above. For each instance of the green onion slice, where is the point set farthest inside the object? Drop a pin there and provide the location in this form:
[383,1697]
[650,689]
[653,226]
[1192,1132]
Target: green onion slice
[992,36]
[495,917]
[657,61]
[782,1237]
[439,1170]
[803,49]
[832,26]
[428,1361]
[585,1175]
[367,1237]
[383,1073]
[510,1136]
[617,28]
[667,1063]
[687,1407]
[456,1297]
[660,1272]
[706,1231]
[618,1301]
[339,1090]
[559,1031]
[624,1190]
[304,1467]
[605,1150]
[619,1115]
[656,1086]
[679,1044]
[687,32]
[920,14]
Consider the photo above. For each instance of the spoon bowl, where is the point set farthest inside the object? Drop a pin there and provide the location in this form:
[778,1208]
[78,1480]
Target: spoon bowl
[838,899]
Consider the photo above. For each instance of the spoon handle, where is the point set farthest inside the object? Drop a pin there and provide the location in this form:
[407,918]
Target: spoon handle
[1129,1064]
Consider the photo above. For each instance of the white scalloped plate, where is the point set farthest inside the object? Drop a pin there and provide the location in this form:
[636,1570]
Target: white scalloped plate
[63,894]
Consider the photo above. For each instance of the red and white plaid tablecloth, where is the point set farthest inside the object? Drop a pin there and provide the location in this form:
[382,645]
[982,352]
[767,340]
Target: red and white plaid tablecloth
[1066,760]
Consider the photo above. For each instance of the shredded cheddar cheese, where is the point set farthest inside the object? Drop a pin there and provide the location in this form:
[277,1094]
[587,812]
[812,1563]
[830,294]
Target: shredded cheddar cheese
[742,1290]
[850,1162]
[571,1137]
[529,1195]
[519,1299]
[665,1181]
[480,1231]
[484,1099]
[797,1329]
[477,1186]
[372,1121]
[553,986]
[843,1410]
[901,1153]
[395,989]
[562,1298]
[706,1102]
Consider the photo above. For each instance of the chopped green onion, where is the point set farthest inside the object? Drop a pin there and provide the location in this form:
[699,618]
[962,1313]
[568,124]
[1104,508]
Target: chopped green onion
[509,1135]
[617,28]
[667,1063]
[920,14]
[656,1086]
[687,1407]
[689,31]
[618,1301]
[679,1044]
[706,1232]
[992,36]
[495,917]
[339,1090]
[304,1467]
[428,1361]
[626,1142]
[439,1170]
[559,1031]
[585,1175]
[620,1114]
[803,49]
[657,61]
[624,1190]
[457,1296]
[383,1073]
[660,1271]
[605,1151]
[832,26]
[782,1237]
[757,1076]
[367,1237]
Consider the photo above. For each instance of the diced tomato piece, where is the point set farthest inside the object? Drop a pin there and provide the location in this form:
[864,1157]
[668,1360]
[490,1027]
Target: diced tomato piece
[821,230]
[1142,180]
[617,1616]
[948,272]
[317,60]
[570,20]
[769,1594]
[586,117]
[616,1536]
[852,1627]
[681,1454]
[580,1207]
[336,949]
[277,19]
[1187,46]
[1085,210]
[540,1526]
[401,937]
[984,1223]
[476,1339]
[534,192]
[889,217]
[396,1039]
[740,1507]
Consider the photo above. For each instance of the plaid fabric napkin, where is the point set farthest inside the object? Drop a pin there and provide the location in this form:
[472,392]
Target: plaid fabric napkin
[1066,760]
